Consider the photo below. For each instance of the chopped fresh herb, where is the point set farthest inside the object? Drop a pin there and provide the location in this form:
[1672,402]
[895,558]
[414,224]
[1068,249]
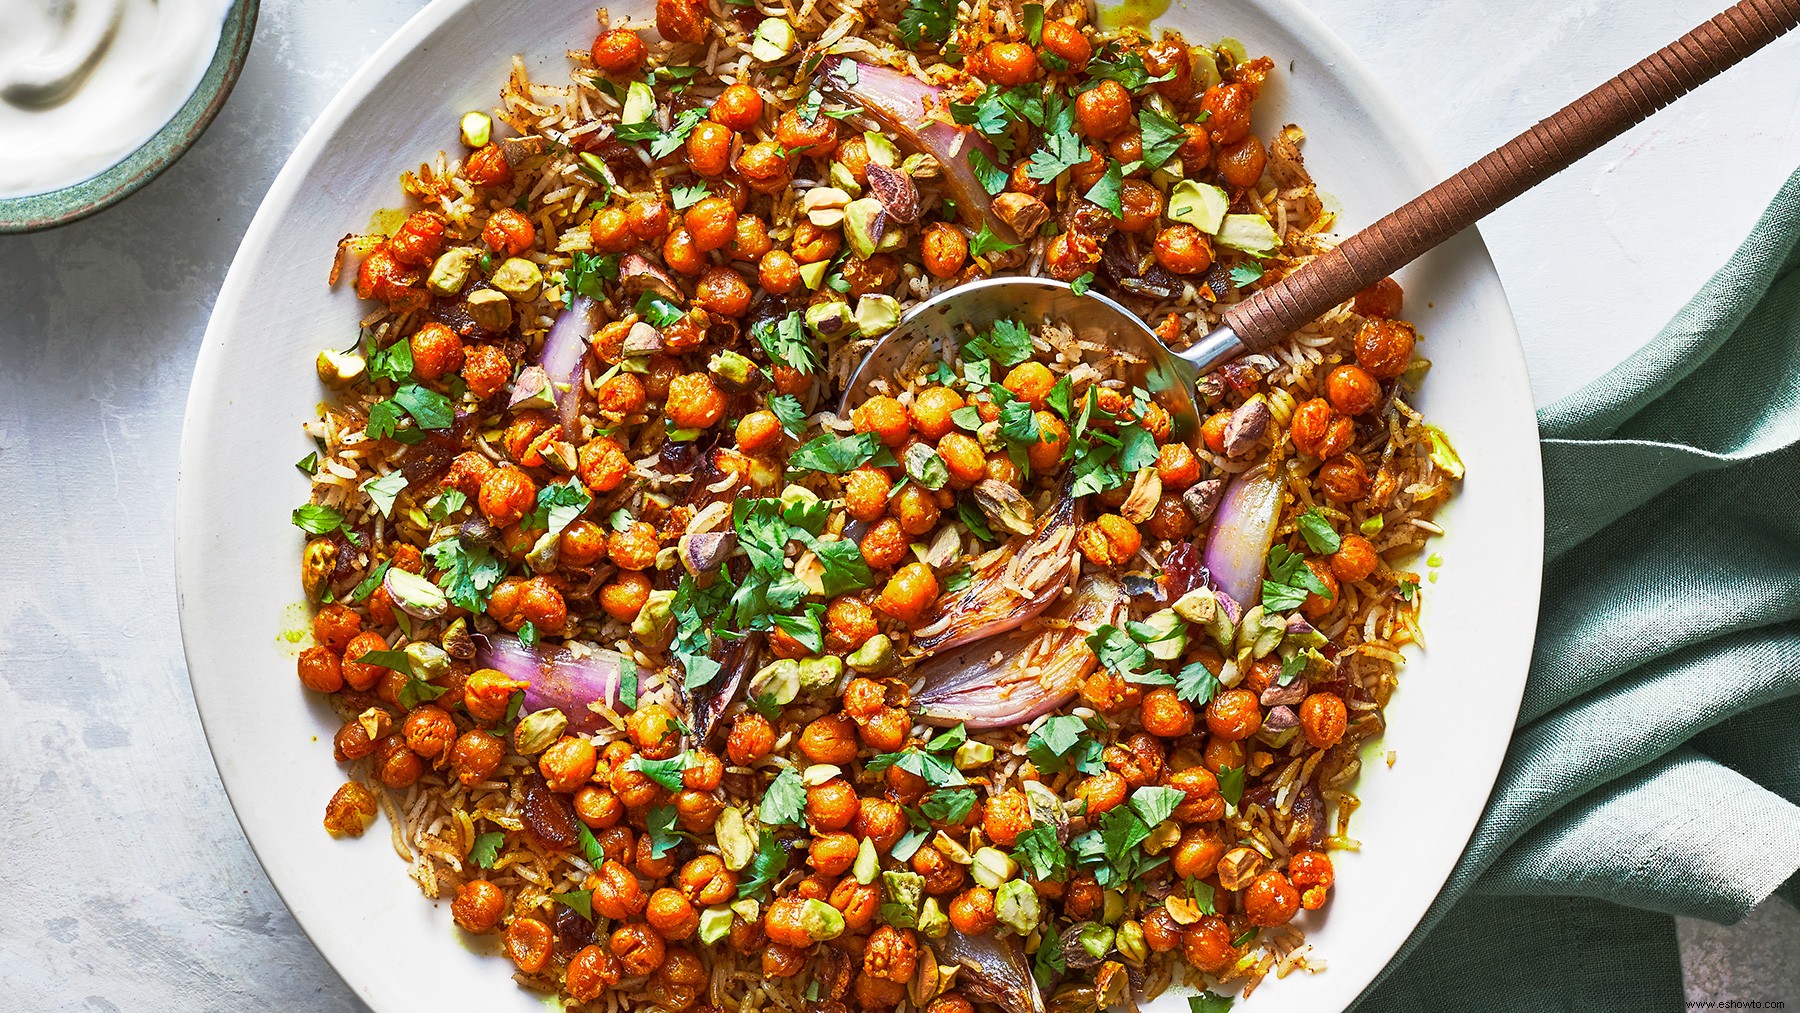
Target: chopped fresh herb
[660,825]
[1047,965]
[908,845]
[1039,851]
[1202,894]
[1058,398]
[528,633]
[395,362]
[936,770]
[1407,589]
[1081,285]
[686,197]
[1247,273]
[1128,70]
[805,627]
[656,310]
[769,863]
[845,71]
[318,520]
[664,772]
[927,22]
[790,413]
[1007,341]
[991,177]
[445,503]
[469,571]
[590,848]
[587,273]
[1207,1002]
[1320,536]
[973,520]
[1154,804]
[1109,192]
[1061,152]
[371,582]
[628,683]
[952,805]
[835,455]
[1289,581]
[845,569]
[384,490]
[1137,449]
[1231,783]
[417,691]
[785,342]
[1246,937]
[579,901]
[947,742]
[1034,23]
[1119,652]
[1196,684]
[986,242]
[428,408]
[785,801]
[1162,137]
[557,507]
[486,848]
[308,465]
[1057,736]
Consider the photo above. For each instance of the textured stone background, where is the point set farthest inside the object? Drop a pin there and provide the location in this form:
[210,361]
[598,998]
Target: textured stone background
[126,883]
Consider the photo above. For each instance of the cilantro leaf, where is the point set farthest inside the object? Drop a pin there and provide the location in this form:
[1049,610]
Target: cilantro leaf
[1290,580]
[469,571]
[952,805]
[973,520]
[1128,70]
[1039,851]
[1207,1002]
[1231,783]
[1320,536]
[587,273]
[656,310]
[664,772]
[1118,652]
[991,177]
[1162,137]
[1081,285]
[685,197]
[660,825]
[486,848]
[790,413]
[1048,964]
[557,507]
[936,770]
[1050,744]
[1061,152]
[1109,191]
[1196,684]
[835,455]
[395,362]
[1247,273]
[947,742]
[845,568]
[579,901]
[927,22]
[785,800]
[628,683]
[528,633]
[1034,23]
[785,342]
[428,408]
[1008,341]
[371,582]
[986,242]
[804,627]
[1154,804]
[318,520]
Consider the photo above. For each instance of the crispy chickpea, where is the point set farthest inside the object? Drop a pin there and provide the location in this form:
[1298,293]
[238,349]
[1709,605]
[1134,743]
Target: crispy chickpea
[1165,714]
[739,106]
[1127,147]
[486,370]
[624,596]
[1198,853]
[478,906]
[930,412]
[682,256]
[1141,206]
[758,431]
[1005,817]
[866,493]
[598,807]
[873,994]
[1183,249]
[1207,944]
[853,155]
[784,922]
[941,875]
[1344,478]
[638,948]
[705,880]
[591,971]
[654,731]
[764,167]
[1354,560]
[634,548]
[645,863]
[881,821]
[488,167]
[903,786]
[436,351]
[475,757]
[1105,790]
[601,464]
[528,944]
[944,249]
[697,811]
[1083,897]
[622,394]
[1318,431]
[487,692]
[963,458]
[506,493]
[1384,347]
[1234,715]
[418,239]
[915,508]
[885,417]
[1195,151]
[972,911]
[321,671]
[695,402]
[1219,754]
[429,730]
[1312,875]
[884,545]
[885,730]
[1212,431]
[466,473]
[1171,519]
[1109,541]
[1271,900]
[618,51]
[1382,299]
[1010,63]
[709,149]
[829,739]
[778,272]
[713,223]
[671,914]
[1067,43]
[567,764]
[783,961]
[1323,718]
[1203,801]
[648,220]
[542,605]
[723,291]
[909,592]
[849,623]
[818,138]
[857,902]
[832,854]
[1030,382]
[750,740]
[610,231]
[1085,175]
[1139,759]
[617,894]
[353,742]
[1241,162]
[508,232]
[676,987]
[1162,932]
[812,244]
[892,954]
[1228,112]
[1104,110]
[395,765]
[355,673]
[1052,442]
[1352,390]
[864,698]
[704,772]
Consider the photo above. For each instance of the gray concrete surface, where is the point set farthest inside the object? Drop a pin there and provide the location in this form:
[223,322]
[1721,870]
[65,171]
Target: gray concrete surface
[126,883]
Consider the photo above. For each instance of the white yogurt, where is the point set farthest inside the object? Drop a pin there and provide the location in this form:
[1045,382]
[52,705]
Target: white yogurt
[84,83]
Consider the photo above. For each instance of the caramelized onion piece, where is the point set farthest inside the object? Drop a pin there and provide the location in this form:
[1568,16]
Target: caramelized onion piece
[556,677]
[1016,584]
[1237,548]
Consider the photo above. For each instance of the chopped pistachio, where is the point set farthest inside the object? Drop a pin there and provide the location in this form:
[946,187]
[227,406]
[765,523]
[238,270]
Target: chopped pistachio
[972,754]
[824,206]
[863,220]
[341,369]
[881,150]
[653,619]
[774,40]
[491,308]
[1372,526]
[1096,940]
[1250,233]
[933,924]
[537,730]
[532,389]
[820,674]
[429,661]
[876,654]
[415,594]
[450,272]
[316,564]
[519,278]
[993,867]
[950,848]
[1170,639]
[820,920]
[1112,907]
[814,274]
[640,103]
[1016,905]
[904,888]
[1130,941]
[736,844]
[830,319]
[868,862]
[877,314]
[732,367]
[778,682]
[1443,454]
[841,178]
[477,129]
[715,924]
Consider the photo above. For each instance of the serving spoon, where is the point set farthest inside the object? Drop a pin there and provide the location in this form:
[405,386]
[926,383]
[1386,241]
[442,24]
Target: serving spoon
[1366,257]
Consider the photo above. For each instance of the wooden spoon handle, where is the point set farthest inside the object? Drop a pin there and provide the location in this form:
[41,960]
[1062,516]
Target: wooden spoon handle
[1520,164]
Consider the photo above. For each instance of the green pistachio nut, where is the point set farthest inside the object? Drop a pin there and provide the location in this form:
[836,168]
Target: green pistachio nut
[653,619]
[993,867]
[537,730]
[477,129]
[491,308]
[875,655]
[450,272]
[821,921]
[340,369]
[519,278]
[1016,906]
[863,221]
[877,314]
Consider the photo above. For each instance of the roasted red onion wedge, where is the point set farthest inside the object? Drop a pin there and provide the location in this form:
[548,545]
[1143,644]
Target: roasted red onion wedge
[706,705]
[557,677]
[565,351]
[1012,584]
[1237,548]
[1008,681]
[904,104]
[994,970]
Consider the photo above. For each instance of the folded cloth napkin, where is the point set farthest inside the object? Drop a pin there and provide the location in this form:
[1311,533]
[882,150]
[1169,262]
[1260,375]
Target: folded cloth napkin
[1655,769]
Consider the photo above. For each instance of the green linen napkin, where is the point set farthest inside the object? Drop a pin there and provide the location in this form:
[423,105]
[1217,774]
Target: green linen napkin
[1655,769]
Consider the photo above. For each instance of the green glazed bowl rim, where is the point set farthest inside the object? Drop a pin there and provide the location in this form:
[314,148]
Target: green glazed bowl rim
[78,200]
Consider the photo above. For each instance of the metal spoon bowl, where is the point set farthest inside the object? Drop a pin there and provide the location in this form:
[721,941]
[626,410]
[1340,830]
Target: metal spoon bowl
[1115,340]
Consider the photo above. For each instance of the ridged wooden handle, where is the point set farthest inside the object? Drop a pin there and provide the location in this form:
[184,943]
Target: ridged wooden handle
[1523,162]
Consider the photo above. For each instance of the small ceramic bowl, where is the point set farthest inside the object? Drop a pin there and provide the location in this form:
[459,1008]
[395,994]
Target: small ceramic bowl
[59,207]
